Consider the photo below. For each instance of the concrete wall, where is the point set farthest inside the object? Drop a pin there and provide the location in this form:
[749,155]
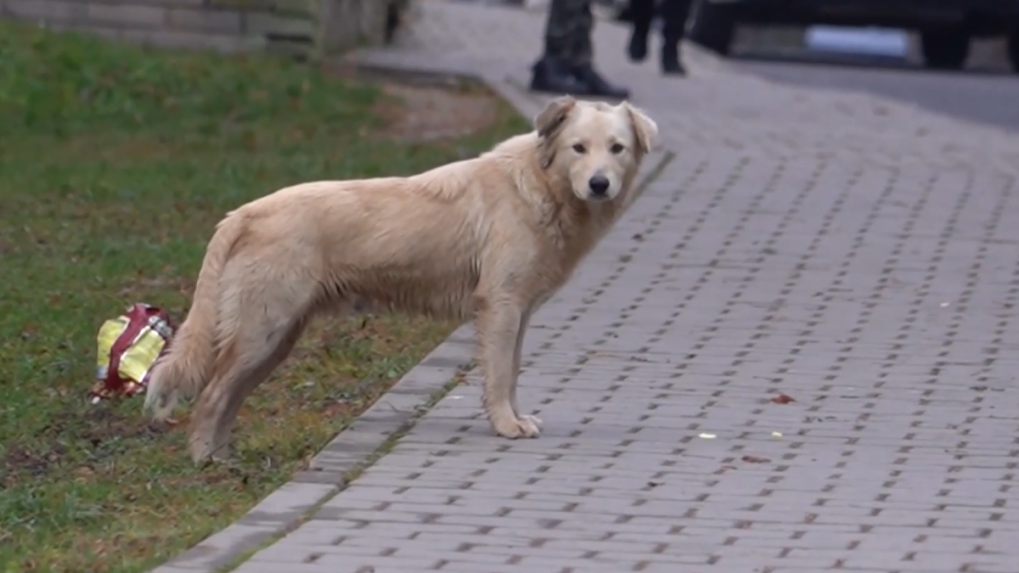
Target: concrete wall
[290,26]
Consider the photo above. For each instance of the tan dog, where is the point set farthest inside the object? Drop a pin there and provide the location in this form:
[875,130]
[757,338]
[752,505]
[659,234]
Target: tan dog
[490,238]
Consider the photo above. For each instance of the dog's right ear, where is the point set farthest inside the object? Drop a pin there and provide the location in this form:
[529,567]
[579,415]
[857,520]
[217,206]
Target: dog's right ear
[549,123]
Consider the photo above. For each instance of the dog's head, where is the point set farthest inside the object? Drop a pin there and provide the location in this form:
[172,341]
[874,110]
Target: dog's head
[596,146]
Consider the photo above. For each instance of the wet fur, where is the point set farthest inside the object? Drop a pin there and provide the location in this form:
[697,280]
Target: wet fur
[489,238]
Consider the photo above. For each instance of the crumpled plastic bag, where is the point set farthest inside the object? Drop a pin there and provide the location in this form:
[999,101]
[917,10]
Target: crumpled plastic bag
[128,347]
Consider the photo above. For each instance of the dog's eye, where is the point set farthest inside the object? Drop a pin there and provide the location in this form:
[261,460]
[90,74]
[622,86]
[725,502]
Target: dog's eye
[579,147]
[617,148]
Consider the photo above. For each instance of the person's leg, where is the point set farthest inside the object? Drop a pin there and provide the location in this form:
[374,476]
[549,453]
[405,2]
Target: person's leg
[582,53]
[674,15]
[561,27]
[580,43]
[552,72]
[566,67]
[642,13]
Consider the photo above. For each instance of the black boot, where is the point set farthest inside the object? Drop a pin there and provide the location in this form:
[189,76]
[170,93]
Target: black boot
[671,64]
[596,85]
[554,76]
[638,42]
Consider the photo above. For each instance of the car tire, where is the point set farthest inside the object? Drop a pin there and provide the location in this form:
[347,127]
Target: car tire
[945,48]
[1013,46]
[712,26]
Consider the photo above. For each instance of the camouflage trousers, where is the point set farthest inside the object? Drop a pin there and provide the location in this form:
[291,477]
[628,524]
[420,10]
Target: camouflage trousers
[568,31]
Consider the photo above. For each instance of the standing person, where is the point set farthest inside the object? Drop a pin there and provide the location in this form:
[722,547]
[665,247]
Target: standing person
[674,14]
[566,67]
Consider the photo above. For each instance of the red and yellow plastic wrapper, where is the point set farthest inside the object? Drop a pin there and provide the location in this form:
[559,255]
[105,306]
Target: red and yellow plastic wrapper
[129,346]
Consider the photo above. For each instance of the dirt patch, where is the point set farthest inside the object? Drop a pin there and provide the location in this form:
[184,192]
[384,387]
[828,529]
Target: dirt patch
[103,432]
[425,113]
[18,459]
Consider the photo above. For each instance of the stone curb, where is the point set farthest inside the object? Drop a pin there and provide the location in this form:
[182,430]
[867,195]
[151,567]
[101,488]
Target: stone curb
[358,445]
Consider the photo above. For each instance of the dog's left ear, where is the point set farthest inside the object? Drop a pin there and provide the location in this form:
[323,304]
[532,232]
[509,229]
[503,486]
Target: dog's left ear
[554,115]
[549,123]
[644,128]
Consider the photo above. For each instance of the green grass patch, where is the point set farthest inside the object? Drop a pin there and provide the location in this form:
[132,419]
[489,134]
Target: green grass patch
[115,164]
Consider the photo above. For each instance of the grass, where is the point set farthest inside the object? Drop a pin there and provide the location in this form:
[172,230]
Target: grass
[115,164]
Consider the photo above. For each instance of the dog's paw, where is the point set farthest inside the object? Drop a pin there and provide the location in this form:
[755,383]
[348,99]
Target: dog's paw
[204,453]
[518,427]
[535,422]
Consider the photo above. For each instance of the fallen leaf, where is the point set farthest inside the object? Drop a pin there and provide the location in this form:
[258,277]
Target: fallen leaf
[782,399]
[755,460]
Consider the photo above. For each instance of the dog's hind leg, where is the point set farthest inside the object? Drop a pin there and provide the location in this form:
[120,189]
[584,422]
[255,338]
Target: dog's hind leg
[499,324]
[260,336]
[217,409]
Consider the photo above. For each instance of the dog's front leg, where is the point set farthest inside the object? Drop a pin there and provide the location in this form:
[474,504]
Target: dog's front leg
[517,357]
[500,326]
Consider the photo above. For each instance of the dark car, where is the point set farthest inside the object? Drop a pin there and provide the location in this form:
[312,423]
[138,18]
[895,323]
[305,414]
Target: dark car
[945,27]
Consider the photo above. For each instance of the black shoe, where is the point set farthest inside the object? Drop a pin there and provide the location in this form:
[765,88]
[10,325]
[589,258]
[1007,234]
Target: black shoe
[638,44]
[671,64]
[596,85]
[554,76]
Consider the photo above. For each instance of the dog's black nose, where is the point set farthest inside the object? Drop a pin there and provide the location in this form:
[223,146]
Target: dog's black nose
[599,185]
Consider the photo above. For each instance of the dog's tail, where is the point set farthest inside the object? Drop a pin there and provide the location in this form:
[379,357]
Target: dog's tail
[184,370]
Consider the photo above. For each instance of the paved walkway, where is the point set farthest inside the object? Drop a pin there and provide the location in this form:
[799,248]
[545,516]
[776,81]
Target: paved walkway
[845,251]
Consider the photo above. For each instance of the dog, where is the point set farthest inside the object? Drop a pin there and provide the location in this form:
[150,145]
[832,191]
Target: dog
[489,238]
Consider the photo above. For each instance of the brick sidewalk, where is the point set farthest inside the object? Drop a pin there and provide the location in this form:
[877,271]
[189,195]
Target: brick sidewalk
[851,253]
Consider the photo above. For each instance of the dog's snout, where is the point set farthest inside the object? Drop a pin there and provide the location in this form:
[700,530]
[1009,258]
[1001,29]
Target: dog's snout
[599,185]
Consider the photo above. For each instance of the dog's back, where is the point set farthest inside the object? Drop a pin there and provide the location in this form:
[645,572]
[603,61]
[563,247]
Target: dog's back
[411,243]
